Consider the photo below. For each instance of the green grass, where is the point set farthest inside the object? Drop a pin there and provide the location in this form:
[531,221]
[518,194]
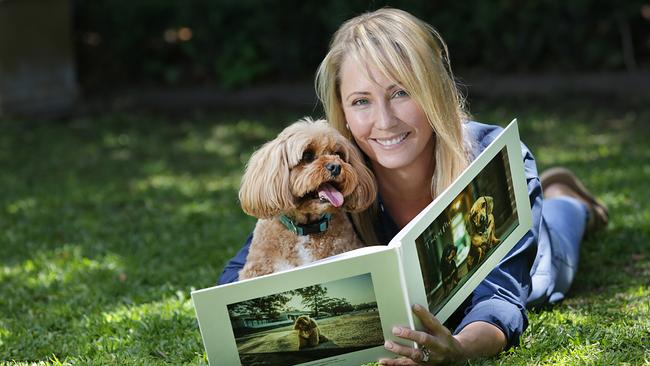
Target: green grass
[108,223]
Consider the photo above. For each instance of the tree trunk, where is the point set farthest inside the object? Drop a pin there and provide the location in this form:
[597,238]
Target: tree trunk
[37,76]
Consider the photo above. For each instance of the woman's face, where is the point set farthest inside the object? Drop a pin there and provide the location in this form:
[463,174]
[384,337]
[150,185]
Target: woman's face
[387,124]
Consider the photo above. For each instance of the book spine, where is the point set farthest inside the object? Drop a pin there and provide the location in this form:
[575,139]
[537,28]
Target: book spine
[405,295]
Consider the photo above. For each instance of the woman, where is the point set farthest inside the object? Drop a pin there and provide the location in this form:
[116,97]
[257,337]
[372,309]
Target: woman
[386,84]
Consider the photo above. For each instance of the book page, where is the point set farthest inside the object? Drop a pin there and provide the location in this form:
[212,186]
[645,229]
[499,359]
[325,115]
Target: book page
[451,246]
[353,301]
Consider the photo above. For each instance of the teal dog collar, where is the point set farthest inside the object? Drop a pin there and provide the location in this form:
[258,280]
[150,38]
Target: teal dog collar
[314,227]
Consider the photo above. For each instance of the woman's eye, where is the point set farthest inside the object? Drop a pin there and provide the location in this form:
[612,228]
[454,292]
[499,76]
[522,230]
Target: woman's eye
[400,93]
[361,101]
[308,156]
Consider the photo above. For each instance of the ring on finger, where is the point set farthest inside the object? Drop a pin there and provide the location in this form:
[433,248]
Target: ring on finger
[426,353]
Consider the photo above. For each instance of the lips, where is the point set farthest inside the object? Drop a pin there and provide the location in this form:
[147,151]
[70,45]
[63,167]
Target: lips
[393,140]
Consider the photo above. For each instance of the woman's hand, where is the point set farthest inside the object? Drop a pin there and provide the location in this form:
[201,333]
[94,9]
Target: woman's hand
[436,344]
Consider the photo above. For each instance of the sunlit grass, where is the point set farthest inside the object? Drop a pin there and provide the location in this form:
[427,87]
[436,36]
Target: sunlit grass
[107,223]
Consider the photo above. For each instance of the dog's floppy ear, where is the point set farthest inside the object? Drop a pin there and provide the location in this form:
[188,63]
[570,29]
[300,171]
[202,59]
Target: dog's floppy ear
[479,205]
[264,191]
[469,218]
[489,204]
[366,192]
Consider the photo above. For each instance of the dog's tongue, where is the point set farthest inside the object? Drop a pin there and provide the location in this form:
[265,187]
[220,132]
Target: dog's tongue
[328,192]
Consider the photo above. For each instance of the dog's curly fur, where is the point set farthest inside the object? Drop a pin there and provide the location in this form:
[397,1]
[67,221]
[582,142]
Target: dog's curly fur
[283,178]
[481,230]
[309,334]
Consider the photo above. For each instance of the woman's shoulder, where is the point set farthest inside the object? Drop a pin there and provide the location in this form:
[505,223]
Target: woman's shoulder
[480,128]
[479,135]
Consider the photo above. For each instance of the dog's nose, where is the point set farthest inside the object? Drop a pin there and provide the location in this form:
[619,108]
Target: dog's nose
[334,169]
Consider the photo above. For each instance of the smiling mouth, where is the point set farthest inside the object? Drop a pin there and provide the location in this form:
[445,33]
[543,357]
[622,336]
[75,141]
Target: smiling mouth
[393,141]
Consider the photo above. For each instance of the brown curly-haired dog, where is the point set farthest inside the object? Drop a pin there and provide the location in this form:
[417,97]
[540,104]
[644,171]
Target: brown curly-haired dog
[300,186]
[481,230]
[309,334]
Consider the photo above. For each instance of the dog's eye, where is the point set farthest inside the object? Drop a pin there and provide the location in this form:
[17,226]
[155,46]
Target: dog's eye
[308,156]
[340,154]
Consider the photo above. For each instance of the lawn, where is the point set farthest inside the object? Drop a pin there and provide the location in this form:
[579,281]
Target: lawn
[107,223]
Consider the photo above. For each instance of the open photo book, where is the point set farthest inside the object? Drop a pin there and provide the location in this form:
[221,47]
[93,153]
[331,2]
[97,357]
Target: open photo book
[340,310]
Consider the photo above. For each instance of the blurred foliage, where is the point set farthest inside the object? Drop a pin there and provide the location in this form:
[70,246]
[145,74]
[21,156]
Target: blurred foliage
[235,43]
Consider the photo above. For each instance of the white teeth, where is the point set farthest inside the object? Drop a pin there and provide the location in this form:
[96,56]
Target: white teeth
[393,141]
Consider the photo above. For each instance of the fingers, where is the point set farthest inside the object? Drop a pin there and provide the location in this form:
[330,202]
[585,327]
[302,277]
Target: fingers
[412,354]
[414,335]
[434,338]
[397,361]
[429,321]
[434,334]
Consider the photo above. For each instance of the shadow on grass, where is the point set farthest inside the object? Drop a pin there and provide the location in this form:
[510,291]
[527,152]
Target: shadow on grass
[110,213]
[76,319]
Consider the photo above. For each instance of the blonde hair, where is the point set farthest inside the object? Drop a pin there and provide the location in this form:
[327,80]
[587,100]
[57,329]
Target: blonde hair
[412,54]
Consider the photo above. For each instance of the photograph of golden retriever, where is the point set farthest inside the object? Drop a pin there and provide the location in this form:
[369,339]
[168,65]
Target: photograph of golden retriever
[481,230]
[309,334]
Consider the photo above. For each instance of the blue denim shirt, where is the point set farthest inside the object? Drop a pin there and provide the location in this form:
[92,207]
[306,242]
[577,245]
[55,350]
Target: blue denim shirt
[501,298]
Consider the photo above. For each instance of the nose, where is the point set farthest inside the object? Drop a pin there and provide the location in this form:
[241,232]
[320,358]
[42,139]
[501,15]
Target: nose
[385,117]
[334,169]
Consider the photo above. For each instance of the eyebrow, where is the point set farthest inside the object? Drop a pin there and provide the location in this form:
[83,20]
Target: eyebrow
[367,93]
[355,93]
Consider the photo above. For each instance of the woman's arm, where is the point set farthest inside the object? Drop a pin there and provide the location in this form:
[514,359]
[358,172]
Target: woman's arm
[481,339]
[496,316]
[438,346]
[501,298]
[231,271]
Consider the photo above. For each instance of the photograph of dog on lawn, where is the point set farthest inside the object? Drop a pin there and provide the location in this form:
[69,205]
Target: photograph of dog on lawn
[308,323]
[467,232]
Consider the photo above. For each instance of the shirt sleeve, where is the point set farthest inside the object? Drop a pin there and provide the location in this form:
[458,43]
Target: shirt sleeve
[501,298]
[231,271]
